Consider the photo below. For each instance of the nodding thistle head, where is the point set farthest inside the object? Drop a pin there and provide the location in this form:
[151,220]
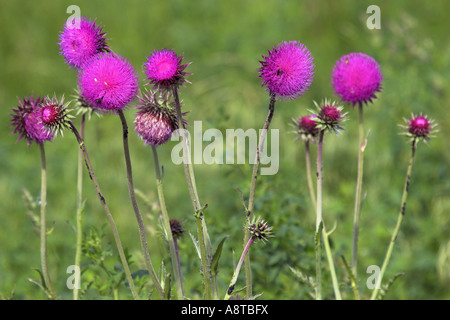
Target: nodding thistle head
[83,106]
[176,228]
[27,121]
[306,128]
[164,69]
[330,116]
[156,119]
[288,70]
[419,127]
[259,229]
[55,114]
[356,78]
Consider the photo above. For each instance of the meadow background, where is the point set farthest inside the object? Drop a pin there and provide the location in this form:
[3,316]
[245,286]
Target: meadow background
[224,41]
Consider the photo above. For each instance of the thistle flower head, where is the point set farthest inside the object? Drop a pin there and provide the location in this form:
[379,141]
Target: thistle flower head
[329,116]
[356,78]
[164,69]
[288,70]
[156,119]
[259,229]
[80,42]
[83,106]
[27,121]
[306,127]
[55,114]
[108,81]
[176,228]
[419,127]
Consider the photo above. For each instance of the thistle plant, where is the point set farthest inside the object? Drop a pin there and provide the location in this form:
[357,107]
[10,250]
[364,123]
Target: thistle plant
[418,128]
[357,78]
[27,122]
[286,73]
[258,230]
[329,118]
[155,122]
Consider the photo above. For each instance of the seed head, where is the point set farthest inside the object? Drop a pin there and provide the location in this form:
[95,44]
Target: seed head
[288,70]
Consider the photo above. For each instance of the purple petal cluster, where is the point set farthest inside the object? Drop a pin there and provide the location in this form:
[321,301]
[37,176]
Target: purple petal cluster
[164,69]
[79,43]
[108,81]
[288,70]
[27,121]
[356,78]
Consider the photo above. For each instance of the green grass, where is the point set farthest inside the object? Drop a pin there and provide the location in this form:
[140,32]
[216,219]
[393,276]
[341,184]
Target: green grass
[224,41]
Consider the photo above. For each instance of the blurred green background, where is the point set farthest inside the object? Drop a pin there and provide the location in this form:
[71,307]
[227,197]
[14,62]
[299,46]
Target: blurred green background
[224,41]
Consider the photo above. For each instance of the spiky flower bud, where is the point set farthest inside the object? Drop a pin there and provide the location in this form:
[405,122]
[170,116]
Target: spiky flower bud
[419,127]
[27,121]
[306,128]
[176,228]
[156,119]
[259,229]
[329,116]
[55,114]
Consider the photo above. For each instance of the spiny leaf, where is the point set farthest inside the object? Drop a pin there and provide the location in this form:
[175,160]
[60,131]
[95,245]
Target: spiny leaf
[216,257]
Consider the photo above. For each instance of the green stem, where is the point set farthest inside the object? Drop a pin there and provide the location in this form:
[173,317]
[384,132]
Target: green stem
[43,225]
[319,220]
[309,175]
[166,221]
[79,209]
[399,221]
[204,240]
[105,207]
[177,256]
[140,221]
[325,234]
[238,268]
[358,192]
[251,200]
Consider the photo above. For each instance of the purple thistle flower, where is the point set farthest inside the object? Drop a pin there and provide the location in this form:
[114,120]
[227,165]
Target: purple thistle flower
[164,69]
[306,127]
[176,228]
[55,114]
[419,127]
[78,45]
[356,78]
[288,70]
[27,121]
[329,116]
[156,119]
[108,81]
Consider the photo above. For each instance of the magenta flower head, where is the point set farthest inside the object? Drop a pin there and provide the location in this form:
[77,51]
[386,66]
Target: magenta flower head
[108,81]
[356,78]
[164,69]
[27,121]
[156,119]
[329,116]
[288,70]
[306,128]
[55,114]
[419,127]
[81,41]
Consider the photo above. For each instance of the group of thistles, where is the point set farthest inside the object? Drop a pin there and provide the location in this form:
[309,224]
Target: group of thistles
[108,82]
